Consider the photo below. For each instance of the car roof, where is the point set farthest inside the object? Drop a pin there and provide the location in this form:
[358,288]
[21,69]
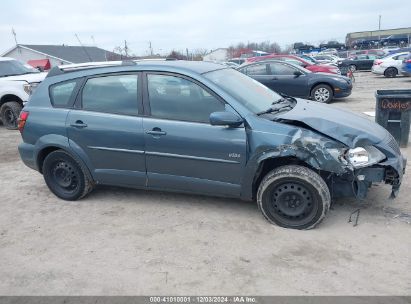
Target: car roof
[198,67]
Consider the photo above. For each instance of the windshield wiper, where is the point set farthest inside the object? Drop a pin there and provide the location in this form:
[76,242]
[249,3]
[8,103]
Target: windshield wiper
[277,106]
[288,97]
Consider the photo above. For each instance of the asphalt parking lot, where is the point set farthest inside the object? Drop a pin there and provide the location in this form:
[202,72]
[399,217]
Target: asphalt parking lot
[128,242]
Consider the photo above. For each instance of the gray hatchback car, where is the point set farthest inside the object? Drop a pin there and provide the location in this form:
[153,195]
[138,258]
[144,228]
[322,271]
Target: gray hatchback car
[203,128]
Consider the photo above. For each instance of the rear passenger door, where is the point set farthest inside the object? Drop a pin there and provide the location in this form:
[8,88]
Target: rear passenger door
[183,151]
[106,130]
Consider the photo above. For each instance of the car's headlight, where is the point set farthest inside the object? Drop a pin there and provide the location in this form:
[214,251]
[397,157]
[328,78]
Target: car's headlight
[364,156]
[29,87]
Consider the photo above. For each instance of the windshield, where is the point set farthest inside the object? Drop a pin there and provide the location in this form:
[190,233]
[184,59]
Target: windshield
[14,67]
[249,92]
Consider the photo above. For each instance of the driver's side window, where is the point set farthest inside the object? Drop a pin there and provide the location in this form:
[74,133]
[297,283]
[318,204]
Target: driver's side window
[177,98]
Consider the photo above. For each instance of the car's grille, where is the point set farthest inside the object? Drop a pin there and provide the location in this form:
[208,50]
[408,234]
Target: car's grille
[392,143]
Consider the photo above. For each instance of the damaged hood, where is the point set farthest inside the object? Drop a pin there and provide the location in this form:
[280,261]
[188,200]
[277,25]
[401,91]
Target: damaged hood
[349,128]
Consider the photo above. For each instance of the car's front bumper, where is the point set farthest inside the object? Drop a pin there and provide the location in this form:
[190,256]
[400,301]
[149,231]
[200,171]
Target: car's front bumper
[340,92]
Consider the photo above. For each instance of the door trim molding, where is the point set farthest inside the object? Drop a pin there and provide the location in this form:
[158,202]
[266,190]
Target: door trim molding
[116,150]
[218,160]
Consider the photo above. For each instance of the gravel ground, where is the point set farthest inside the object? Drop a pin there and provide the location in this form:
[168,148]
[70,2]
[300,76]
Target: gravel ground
[129,242]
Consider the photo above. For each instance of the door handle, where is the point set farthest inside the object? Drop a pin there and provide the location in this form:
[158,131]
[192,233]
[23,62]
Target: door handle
[156,132]
[78,124]
[274,78]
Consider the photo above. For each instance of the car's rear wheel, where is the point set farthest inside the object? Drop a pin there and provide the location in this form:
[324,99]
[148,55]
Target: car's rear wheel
[391,72]
[352,67]
[322,93]
[9,113]
[293,197]
[65,176]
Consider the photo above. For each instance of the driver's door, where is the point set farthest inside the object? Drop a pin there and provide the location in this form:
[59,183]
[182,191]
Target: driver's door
[183,151]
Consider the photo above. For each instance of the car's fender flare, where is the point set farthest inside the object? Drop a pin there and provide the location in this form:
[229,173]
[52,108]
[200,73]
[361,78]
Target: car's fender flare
[316,160]
[59,141]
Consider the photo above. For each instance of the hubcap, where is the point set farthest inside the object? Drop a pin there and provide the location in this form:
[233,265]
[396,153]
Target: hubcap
[292,201]
[65,176]
[321,95]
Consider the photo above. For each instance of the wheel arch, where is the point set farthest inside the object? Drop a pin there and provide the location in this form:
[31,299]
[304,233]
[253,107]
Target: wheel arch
[321,83]
[10,97]
[268,164]
[52,142]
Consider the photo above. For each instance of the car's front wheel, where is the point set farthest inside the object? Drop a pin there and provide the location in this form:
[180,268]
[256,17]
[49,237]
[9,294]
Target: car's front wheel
[293,197]
[322,93]
[9,113]
[65,176]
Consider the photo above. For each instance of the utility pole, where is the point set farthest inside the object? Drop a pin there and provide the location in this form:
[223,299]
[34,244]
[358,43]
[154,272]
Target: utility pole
[187,53]
[150,47]
[13,32]
[84,49]
[125,48]
[379,29]
[14,35]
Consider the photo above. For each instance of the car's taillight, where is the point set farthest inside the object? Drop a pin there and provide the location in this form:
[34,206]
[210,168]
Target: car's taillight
[377,62]
[407,60]
[22,120]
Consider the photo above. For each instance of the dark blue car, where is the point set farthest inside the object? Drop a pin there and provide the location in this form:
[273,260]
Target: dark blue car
[201,128]
[290,79]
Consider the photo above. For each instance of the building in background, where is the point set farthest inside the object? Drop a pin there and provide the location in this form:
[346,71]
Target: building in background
[53,55]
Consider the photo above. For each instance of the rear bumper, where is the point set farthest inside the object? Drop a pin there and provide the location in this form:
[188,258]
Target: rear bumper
[376,69]
[406,72]
[27,155]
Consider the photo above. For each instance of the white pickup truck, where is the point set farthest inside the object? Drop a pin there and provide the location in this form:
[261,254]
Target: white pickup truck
[17,81]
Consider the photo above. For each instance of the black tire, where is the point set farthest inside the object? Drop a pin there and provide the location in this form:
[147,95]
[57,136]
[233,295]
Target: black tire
[352,67]
[65,176]
[293,197]
[391,72]
[322,93]
[9,113]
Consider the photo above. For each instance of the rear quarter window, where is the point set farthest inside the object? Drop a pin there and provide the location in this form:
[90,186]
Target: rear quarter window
[62,94]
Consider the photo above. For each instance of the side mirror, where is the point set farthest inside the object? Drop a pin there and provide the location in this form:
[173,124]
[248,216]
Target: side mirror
[297,74]
[225,119]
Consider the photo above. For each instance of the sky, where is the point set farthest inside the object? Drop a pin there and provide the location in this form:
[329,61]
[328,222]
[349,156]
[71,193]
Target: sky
[181,24]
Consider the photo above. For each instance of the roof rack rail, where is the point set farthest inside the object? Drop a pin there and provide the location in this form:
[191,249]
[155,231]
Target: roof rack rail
[61,69]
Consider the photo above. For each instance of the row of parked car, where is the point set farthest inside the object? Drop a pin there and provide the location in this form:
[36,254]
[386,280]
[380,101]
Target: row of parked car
[396,40]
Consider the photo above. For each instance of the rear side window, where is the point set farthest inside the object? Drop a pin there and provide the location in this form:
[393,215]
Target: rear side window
[111,94]
[61,94]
